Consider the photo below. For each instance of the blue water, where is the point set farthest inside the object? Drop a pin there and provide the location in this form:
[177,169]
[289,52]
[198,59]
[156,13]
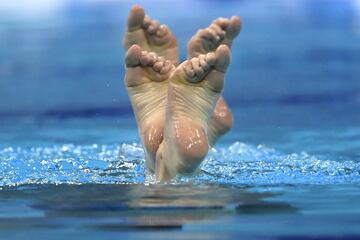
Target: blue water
[70,161]
[237,164]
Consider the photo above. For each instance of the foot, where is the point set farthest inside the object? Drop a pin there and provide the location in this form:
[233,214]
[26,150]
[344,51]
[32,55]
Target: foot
[150,35]
[221,31]
[193,91]
[145,79]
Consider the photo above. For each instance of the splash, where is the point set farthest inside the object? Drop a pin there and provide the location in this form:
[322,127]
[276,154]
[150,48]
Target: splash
[237,164]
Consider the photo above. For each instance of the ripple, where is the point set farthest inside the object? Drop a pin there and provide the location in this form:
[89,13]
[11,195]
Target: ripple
[237,164]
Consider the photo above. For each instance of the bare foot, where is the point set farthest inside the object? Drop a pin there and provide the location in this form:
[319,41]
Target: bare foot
[221,31]
[145,79]
[193,91]
[150,35]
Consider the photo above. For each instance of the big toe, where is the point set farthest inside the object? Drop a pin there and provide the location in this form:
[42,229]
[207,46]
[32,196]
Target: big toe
[132,57]
[221,62]
[234,27]
[136,18]
[223,58]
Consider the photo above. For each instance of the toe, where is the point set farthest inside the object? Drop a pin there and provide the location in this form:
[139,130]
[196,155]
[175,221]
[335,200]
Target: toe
[154,26]
[166,67]
[144,59]
[222,22]
[152,58]
[158,64]
[133,55]
[204,65]
[222,55]
[136,18]
[196,66]
[217,29]
[191,71]
[147,22]
[162,37]
[162,31]
[212,36]
[188,69]
[234,27]
[204,34]
[210,58]
[207,34]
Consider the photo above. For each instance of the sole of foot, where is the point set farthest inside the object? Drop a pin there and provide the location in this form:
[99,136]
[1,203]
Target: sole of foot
[193,91]
[220,31]
[145,79]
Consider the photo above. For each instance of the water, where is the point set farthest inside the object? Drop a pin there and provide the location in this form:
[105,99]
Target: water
[70,161]
[83,178]
[238,164]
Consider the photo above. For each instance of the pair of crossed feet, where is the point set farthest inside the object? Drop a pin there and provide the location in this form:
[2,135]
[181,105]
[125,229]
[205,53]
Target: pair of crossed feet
[178,107]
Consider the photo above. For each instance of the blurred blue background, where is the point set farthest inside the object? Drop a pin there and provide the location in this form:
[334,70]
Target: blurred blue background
[294,82]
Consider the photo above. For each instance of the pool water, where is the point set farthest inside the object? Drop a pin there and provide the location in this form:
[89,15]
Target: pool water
[71,163]
[86,178]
